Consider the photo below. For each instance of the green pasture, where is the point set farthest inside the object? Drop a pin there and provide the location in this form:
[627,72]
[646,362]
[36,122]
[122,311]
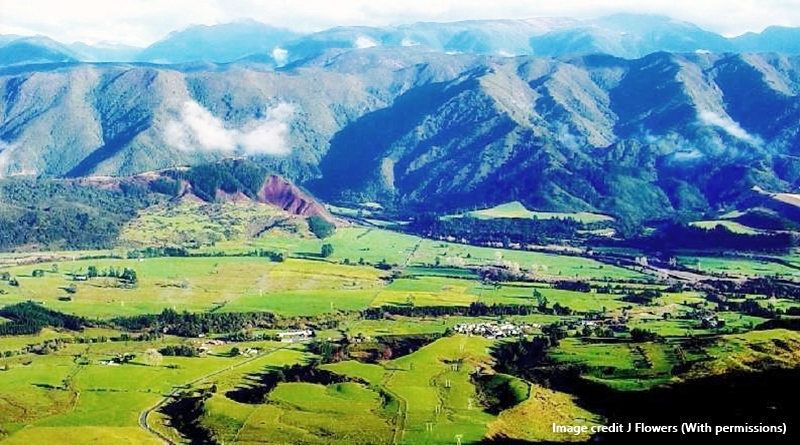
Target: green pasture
[190,222]
[372,373]
[740,266]
[227,417]
[196,284]
[577,301]
[70,390]
[82,435]
[733,226]
[515,209]
[751,351]
[421,381]
[624,366]
[375,245]
[303,413]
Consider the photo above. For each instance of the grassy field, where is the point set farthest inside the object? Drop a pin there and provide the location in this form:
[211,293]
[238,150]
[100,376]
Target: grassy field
[733,226]
[427,396]
[354,244]
[198,284]
[293,287]
[751,351]
[623,366]
[70,392]
[740,266]
[192,222]
[230,419]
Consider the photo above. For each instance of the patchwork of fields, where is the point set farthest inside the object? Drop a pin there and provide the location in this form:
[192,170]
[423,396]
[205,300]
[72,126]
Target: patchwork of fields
[104,385]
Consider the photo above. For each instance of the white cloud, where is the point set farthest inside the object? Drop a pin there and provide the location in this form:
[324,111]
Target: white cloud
[365,42]
[197,129]
[280,55]
[142,22]
[729,126]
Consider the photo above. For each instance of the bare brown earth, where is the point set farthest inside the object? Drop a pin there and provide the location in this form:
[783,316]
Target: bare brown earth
[285,195]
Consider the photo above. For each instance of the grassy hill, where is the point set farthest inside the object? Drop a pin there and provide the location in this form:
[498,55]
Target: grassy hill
[516,209]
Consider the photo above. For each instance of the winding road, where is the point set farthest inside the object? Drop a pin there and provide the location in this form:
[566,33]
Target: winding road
[144,414]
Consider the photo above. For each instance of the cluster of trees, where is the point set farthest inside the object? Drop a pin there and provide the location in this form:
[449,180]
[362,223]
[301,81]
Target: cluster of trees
[674,236]
[166,186]
[12,281]
[320,227]
[175,251]
[229,175]
[65,214]
[643,297]
[639,335]
[29,318]
[748,306]
[156,252]
[126,275]
[499,230]
[575,286]
[520,357]
[264,383]
[185,412]
[179,350]
[475,309]
[372,350]
[186,324]
[770,287]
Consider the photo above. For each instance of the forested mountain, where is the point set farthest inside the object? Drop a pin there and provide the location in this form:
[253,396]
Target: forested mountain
[417,126]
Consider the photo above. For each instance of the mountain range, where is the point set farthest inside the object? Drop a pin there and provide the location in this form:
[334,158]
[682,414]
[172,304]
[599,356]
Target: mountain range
[621,35]
[639,117]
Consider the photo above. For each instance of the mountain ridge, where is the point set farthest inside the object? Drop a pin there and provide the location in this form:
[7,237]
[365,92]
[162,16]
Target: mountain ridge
[621,35]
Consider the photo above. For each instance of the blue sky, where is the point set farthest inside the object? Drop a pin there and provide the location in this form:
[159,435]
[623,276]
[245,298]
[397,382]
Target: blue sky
[141,22]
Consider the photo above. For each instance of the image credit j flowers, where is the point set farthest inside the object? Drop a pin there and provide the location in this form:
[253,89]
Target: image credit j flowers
[684,428]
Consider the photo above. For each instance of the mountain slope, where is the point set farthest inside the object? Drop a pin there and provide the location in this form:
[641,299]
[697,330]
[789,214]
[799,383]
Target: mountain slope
[411,128]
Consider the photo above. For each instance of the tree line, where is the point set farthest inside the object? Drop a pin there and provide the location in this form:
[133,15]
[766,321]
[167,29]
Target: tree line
[188,324]
[675,236]
[475,309]
[29,318]
[497,230]
[65,214]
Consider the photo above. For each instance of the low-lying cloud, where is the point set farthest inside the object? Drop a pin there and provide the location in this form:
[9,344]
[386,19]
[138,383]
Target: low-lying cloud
[280,55]
[363,42]
[197,129]
[729,126]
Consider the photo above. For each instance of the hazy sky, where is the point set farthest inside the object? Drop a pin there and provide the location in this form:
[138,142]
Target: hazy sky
[141,22]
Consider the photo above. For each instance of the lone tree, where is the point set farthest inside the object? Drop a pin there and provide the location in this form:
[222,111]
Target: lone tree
[128,277]
[153,357]
[327,250]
